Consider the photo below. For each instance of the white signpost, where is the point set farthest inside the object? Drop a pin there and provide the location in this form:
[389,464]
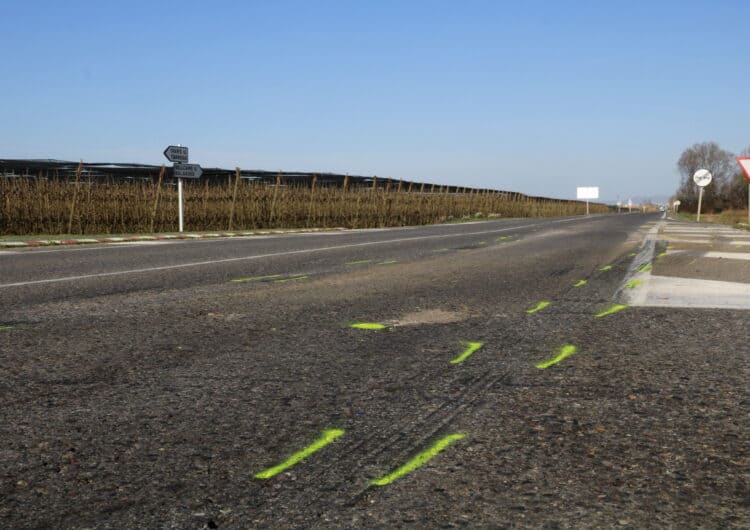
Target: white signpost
[178,155]
[676,205]
[744,162]
[587,193]
[630,205]
[702,178]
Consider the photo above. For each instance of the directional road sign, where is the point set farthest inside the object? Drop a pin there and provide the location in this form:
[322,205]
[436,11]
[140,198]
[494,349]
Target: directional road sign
[744,162]
[187,171]
[177,154]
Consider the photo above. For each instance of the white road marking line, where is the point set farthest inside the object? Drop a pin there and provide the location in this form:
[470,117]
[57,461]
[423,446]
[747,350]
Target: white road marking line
[740,243]
[698,241]
[727,255]
[276,254]
[666,291]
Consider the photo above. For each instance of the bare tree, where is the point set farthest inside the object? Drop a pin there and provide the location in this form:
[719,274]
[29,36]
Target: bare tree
[721,164]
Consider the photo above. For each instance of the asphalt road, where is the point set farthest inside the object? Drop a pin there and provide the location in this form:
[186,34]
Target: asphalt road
[160,385]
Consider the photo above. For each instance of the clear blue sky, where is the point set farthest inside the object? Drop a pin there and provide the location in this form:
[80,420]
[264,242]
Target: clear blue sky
[530,96]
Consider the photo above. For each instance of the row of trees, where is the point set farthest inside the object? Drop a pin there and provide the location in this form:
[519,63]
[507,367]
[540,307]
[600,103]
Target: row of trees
[728,189]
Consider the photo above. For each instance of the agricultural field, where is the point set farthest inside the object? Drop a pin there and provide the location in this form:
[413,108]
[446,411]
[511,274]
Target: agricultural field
[37,206]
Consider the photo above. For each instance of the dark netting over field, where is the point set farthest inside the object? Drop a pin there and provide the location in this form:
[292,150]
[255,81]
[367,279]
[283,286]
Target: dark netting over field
[58,197]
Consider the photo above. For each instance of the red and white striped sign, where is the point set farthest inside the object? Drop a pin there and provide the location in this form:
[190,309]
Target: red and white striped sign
[744,162]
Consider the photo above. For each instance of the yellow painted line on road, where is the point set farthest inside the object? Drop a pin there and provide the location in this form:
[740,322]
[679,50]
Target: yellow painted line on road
[646,267]
[6,328]
[256,278]
[606,268]
[359,262]
[565,351]
[419,460]
[292,279]
[633,284]
[614,309]
[539,307]
[368,325]
[328,436]
[580,283]
[389,262]
[471,348]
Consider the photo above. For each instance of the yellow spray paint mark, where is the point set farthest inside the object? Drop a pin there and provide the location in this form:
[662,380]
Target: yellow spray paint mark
[646,267]
[419,460]
[328,436]
[389,262]
[631,255]
[633,284]
[614,309]
[539,307]
[580,283]
[441,250]
[256,278]
[471,348]
[368,325]
[565,351]
[359,262]
[292,279]
[502,238]
[606,268]
[661,254]
[6,328]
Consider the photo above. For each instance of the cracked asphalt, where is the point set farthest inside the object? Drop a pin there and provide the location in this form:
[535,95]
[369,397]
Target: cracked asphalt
[142,388]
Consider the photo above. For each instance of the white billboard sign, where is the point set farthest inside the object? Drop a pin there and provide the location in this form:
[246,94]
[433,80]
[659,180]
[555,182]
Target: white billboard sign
[587,193]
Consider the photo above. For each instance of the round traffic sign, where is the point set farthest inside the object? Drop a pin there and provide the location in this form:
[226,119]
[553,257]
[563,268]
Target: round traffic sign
[702,177]
[677,203]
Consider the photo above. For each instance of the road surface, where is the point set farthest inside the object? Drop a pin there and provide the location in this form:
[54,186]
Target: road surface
[220,383]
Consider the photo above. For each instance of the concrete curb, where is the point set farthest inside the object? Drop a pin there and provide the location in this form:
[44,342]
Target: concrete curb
[157,237]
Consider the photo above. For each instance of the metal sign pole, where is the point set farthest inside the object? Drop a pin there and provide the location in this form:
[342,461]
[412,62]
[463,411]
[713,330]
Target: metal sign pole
[587,207]
[700,200]
[179,200]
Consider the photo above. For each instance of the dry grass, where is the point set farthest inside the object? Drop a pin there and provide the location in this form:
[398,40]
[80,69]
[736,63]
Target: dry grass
[727,217]
[31,206]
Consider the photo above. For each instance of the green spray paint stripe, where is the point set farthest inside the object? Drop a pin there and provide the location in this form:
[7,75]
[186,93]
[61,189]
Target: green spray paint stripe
[419,460]
[539,307]
[606,268]
[632,255]
[614,309]
[359,262]
[471,348]
[565,351]
[328,436]
[6,328]
[256,278]
[661,254]
[292,279]
[368,325]
[580,283]
[389,262]
[646,267]
[633,284]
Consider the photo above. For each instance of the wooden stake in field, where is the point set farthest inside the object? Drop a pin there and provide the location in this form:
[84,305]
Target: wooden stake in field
[234,196]
[156,198]
[75,197]
[346,183]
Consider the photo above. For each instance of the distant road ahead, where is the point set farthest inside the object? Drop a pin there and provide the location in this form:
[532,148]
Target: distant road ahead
[220,383]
